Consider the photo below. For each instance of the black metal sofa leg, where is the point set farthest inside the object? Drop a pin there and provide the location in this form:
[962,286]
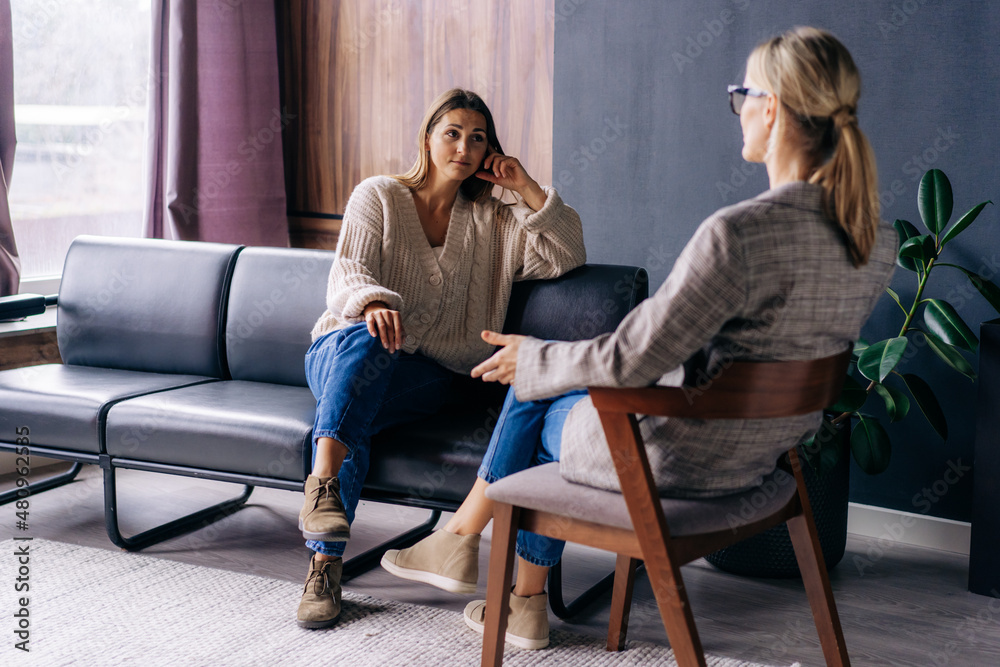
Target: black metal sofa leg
[185,524]
[45,484]
[556,602]
[369,559]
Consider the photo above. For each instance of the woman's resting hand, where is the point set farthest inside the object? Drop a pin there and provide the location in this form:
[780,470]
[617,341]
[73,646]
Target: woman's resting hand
[385,324]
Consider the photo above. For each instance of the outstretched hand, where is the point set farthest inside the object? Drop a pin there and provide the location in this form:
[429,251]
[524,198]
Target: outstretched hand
[502,365]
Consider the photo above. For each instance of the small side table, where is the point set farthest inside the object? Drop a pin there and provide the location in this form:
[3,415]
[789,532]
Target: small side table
[29,342]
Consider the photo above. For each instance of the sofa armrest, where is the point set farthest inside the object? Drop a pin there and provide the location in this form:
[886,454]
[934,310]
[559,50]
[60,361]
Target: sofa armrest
[18,306]
[588,301]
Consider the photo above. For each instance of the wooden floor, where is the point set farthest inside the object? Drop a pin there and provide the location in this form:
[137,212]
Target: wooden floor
[910,607]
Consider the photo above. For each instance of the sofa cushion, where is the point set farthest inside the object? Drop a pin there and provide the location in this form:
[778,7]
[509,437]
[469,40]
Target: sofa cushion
[64,407]
[543,488]
[144,305]
[249,428]
[277,294]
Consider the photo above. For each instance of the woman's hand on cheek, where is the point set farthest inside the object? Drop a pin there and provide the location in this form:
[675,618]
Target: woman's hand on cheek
[502,366]
[507,172]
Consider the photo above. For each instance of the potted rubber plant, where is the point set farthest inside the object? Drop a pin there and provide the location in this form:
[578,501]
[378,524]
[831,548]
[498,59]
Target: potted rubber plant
[930,328]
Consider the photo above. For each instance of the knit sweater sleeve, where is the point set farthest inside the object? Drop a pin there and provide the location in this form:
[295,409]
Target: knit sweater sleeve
[355,277]
[552,237]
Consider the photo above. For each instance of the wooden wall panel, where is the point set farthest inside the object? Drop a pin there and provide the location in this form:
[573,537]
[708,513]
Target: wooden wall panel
[358,76]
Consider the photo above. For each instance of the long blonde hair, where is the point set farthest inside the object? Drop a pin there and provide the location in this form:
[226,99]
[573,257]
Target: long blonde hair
[816,82]
[456,98]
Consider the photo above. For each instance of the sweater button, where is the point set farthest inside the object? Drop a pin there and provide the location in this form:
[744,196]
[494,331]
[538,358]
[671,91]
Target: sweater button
[434,280]
[409,340]
[425,318]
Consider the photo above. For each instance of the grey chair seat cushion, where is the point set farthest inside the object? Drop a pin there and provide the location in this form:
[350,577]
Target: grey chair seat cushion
[249,428]
[543,488]
[63,406]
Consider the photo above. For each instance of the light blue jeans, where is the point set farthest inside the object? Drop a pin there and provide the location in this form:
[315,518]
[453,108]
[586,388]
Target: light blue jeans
[360,389]
[529,434]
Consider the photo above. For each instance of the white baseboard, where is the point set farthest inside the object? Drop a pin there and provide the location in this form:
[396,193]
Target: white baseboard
[907,528]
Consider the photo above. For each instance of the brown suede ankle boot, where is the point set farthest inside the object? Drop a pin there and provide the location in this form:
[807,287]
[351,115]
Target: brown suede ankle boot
[320,603]
[442,559]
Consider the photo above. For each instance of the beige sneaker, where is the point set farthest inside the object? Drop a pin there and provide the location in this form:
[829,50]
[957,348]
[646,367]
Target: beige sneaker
[320,603]
[442,559]
[527,622]
[322,517]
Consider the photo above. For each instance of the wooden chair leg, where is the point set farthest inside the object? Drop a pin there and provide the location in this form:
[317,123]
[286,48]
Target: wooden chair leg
[809,555]
[621,601]
[675,610]
[498,583]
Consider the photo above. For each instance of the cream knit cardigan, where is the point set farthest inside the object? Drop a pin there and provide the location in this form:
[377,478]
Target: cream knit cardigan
[383,255]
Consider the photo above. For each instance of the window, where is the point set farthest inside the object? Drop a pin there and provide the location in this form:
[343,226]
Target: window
[81,69]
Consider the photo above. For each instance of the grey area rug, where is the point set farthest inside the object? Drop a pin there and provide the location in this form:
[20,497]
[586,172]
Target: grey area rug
[94,607]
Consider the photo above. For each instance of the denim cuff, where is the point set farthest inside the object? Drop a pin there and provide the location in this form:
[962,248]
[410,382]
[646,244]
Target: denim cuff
[326,433]
[542,562]
[335,549]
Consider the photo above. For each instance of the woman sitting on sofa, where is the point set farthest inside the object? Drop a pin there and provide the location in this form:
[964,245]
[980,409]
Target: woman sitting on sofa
[425,262]
[791,274]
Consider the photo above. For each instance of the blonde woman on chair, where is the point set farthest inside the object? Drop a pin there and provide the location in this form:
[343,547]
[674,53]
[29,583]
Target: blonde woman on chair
[790,274]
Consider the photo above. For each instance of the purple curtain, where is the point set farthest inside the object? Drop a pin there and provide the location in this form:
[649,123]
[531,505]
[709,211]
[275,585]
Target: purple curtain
[10,263]
[214,159]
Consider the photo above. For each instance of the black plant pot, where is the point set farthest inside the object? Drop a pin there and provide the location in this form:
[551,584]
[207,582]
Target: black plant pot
[770,554]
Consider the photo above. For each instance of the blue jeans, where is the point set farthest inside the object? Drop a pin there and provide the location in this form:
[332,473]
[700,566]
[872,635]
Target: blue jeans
[529,434]
[360,389]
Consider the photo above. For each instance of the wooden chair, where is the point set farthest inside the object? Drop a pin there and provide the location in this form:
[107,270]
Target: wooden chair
[668,533]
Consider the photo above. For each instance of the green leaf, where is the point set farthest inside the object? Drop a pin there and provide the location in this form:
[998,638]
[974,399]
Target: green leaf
[876,362]
[964,222]
[858,348]
[988,289]
[949,355]
[905,231]
[934,200]
[944,322]
[896,402]
[895,297]
[920,248]
[852,396]
[870,445]
[928,403]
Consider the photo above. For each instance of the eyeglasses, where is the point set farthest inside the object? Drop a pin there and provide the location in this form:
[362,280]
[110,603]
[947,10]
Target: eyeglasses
[739,94]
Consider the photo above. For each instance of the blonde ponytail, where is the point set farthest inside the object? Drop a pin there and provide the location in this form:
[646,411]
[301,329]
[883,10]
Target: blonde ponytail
[850,181]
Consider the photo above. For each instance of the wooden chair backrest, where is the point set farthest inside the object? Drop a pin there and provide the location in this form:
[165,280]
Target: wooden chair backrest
[742,390]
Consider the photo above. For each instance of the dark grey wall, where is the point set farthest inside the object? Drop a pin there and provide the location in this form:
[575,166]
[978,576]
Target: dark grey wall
[646,147]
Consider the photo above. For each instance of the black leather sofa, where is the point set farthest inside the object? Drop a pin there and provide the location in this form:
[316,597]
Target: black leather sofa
[187,358]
